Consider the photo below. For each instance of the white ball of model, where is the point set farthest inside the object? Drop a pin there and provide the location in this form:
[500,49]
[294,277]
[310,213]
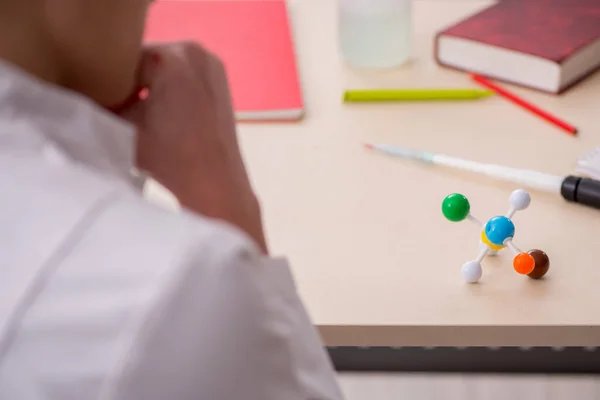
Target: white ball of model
[471,271]
[519,199]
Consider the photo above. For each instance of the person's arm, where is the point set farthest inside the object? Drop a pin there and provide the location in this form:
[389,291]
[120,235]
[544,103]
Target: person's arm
[187,137]
[231,326]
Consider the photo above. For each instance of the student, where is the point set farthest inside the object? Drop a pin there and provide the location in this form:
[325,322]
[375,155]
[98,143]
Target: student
[102,295]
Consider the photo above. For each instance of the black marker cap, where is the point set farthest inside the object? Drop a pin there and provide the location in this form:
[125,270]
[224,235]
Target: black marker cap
[581,190]
[568,190]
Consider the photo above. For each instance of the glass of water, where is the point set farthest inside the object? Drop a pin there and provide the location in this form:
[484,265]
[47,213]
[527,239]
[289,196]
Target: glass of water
[375,33]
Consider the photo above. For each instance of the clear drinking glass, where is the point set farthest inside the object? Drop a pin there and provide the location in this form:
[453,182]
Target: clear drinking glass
[375,33]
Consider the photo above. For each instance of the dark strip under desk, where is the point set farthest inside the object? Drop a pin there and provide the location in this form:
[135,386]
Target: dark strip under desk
[537,360]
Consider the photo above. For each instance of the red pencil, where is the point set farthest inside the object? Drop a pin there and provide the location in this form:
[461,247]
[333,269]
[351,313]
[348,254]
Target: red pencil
[528,106]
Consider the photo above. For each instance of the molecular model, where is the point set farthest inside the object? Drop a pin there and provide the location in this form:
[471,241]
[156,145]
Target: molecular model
[496,234]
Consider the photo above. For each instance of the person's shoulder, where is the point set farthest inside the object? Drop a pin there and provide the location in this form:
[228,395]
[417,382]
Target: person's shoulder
[177,231]
[78,207]
[92,255]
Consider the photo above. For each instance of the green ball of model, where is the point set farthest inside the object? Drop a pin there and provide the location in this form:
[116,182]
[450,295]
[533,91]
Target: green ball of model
[456,207]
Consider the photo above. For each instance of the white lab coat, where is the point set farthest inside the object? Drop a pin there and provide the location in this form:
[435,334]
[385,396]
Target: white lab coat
[105,296]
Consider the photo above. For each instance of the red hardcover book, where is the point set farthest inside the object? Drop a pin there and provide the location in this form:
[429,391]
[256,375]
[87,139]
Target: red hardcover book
[253,39]
[548,45]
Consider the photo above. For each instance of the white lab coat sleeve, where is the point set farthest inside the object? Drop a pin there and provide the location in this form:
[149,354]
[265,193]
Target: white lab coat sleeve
[230,326]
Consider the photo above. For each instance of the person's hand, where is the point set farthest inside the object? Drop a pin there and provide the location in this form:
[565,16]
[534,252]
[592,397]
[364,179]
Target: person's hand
[187,135]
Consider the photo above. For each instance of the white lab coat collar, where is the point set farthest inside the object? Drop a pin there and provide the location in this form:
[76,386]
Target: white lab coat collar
[81,129]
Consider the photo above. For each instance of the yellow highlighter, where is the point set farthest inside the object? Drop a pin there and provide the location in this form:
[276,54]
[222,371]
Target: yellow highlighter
[397,95]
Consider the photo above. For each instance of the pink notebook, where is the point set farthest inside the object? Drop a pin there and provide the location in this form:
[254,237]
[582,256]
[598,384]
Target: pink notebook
[252,37]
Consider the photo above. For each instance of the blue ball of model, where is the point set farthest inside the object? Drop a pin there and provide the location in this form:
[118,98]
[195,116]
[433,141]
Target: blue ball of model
[498,229]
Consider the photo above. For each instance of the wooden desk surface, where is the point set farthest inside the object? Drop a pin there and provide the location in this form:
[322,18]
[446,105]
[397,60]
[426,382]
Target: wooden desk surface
[375,260]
